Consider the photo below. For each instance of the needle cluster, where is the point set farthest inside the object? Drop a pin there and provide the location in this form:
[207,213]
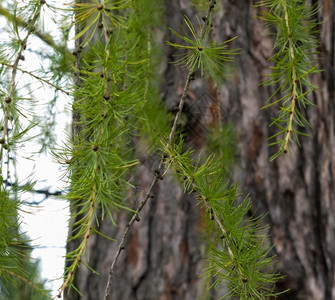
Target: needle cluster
[200,53]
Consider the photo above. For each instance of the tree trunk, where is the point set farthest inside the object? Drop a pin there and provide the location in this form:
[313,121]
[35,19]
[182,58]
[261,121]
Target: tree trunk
[164,252]
[298,190]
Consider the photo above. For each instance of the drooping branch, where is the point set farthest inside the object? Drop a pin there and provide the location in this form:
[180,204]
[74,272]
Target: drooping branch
[159,174]
[295,46]
[83,217]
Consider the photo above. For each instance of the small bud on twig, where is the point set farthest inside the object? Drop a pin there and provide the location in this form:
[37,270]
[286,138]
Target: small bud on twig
[158,175]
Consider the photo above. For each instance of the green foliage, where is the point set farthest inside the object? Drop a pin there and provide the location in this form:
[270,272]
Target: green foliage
[202,55]
[113,85]
[9,254]
[19,278]
[92,15]
[239,256]
[295,46]
[18,286]
[155,120]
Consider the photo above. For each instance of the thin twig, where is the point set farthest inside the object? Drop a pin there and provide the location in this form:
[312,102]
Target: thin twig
[158,174]
[219,223]
[36,77]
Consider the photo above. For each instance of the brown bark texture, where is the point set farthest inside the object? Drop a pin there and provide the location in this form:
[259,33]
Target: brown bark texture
[163,257]
[298,190]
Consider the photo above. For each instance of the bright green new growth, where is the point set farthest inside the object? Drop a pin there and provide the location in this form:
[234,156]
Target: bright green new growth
[295,46]
[202,55]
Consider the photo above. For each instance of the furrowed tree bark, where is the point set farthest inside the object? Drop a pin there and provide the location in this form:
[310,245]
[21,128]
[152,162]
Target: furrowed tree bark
[297,191]
[164,252]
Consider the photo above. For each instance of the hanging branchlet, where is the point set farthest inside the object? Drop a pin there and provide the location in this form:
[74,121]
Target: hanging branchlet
[98,178]
[107,105]
[239,257]
[295,46]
